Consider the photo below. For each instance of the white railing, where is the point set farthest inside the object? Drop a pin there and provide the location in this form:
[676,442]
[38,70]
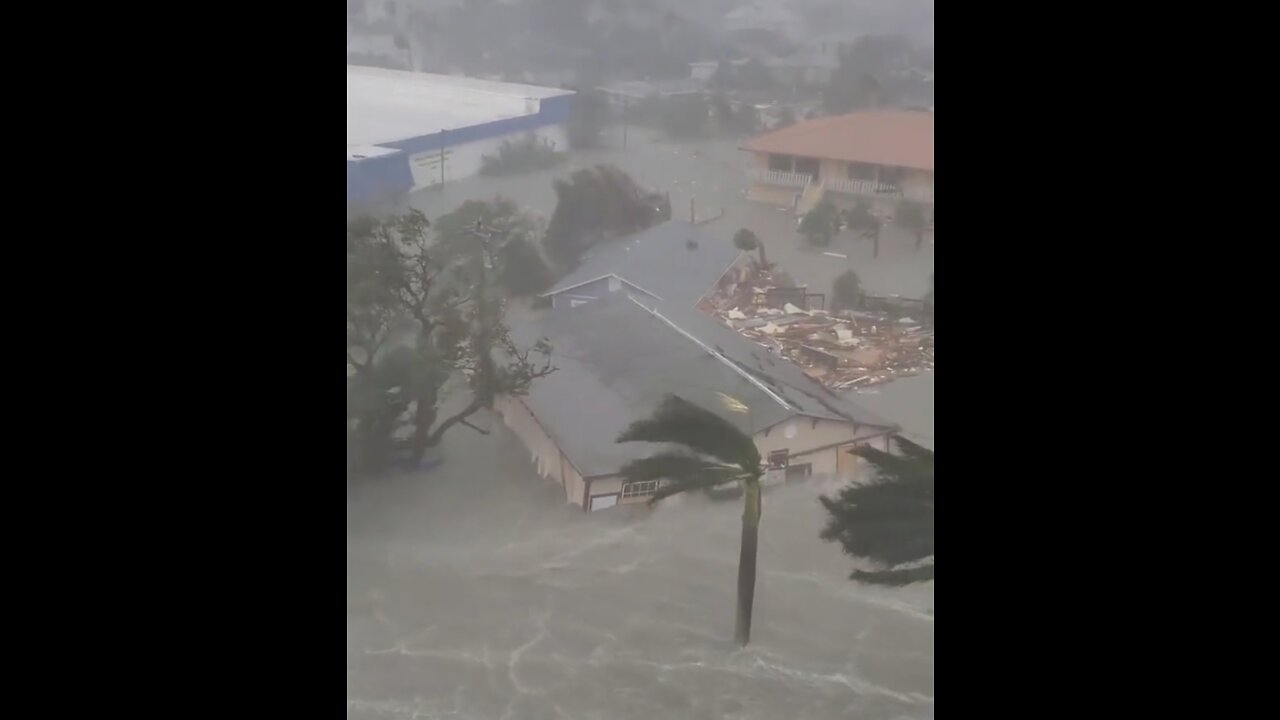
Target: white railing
[779,177]
[874,189]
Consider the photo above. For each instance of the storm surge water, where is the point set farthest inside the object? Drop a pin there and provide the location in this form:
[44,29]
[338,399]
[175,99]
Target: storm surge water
[473,591]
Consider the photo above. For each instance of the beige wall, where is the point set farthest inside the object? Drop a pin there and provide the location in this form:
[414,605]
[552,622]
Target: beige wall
[828,169]
[772,194]
[921,180]
[546,455]
[811,433]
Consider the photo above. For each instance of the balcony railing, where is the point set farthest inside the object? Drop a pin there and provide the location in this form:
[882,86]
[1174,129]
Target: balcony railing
[779,177]
[872,188]
[868,188]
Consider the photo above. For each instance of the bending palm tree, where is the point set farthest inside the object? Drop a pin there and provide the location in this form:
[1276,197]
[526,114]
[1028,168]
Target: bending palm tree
[890,519]
[718,453]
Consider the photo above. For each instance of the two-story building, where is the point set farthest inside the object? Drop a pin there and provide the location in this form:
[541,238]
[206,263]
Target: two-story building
[885,155]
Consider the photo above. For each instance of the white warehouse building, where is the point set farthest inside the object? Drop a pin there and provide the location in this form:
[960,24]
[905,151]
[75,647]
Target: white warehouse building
[408,130]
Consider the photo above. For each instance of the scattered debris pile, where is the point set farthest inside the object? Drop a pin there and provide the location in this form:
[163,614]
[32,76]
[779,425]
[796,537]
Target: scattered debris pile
[843,350]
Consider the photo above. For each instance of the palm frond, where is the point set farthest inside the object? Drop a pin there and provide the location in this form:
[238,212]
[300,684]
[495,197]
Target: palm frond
[894,578]
[890,518]
[913,451]
[891,468]
[709,482]
[683,472]
[679,421]
[675,466]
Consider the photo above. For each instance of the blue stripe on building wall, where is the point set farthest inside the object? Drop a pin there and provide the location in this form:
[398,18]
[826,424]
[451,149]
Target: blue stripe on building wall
[376,178]
[372,177]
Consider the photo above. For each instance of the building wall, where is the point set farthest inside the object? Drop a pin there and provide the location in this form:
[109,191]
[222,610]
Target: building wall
[918,180]
[606,492]
[463,160]
[546,455]
[377,179]
[462,148]
[772,195]
[811,433]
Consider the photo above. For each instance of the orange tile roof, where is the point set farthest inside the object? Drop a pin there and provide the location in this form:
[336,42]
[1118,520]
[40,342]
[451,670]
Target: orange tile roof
[883,137]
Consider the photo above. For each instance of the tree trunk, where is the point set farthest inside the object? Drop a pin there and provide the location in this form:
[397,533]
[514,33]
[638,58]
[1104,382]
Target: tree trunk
[764,263]
[424,417]
[747,561]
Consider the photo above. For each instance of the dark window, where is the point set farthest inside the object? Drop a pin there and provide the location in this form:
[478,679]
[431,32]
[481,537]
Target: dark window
[778,459]
[891,176]
[862,171]
[807,166]
[780,162]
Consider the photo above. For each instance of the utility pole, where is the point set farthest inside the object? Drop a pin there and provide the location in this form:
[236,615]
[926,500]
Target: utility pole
[625,104]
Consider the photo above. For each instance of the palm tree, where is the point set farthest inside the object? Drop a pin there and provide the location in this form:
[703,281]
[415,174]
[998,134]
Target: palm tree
[912,219]
[888,520]
[717,453]
[746,241]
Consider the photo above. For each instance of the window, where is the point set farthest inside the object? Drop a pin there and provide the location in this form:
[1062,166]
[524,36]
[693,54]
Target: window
[778,459]
[862,171]
[890,179]
[780,162]
[808,166]
[640,489]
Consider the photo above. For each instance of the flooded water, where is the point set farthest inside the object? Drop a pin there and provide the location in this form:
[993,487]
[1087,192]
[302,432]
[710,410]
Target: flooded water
[473,591]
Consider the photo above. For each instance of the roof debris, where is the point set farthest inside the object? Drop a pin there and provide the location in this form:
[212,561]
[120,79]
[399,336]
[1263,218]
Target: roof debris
[843,350]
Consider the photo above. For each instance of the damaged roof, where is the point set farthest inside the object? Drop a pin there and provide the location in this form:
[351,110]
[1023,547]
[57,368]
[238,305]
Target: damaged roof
[617,358]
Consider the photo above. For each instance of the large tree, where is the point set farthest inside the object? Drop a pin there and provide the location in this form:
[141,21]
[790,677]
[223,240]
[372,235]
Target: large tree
[715,453]
[889,519]
[820,224]
[596,204]
[513,235]
[419,315]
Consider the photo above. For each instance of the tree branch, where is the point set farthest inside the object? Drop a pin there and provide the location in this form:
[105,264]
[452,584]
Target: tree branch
[434,438]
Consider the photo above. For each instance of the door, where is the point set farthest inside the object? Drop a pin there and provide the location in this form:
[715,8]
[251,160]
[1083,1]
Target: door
[602,502]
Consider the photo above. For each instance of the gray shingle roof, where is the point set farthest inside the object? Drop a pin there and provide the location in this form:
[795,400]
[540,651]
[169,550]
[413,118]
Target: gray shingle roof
[659,260]
[616,360]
